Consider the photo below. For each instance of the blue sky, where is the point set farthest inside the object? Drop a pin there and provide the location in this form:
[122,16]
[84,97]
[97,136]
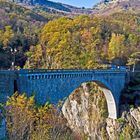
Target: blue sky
[79,3]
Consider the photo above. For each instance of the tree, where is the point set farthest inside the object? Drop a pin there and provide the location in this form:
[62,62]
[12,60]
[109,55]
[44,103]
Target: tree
[116,46]
[134,58]
[28,121]
[35,57]
[20,116]
[6,36]
[71,43]
[84,41]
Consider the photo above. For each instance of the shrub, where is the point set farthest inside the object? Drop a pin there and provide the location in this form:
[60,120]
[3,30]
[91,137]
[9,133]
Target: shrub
[121,120]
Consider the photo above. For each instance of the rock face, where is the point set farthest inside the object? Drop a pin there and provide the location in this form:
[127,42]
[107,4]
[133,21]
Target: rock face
[83,114]
[126,127]
[86,112]
[111,6]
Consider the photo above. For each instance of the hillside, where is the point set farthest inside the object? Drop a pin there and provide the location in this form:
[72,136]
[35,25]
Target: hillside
[20,24]
[88,37]
[51,6]
[25,24]
[112,6]
[86,42]
[105,7]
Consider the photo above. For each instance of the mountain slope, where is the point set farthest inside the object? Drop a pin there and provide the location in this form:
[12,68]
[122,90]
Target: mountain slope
[25,25]
[25,22]
[112,6]
[51,6]
[104,7]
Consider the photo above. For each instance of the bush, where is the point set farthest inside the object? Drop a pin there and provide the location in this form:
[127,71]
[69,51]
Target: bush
[121,120]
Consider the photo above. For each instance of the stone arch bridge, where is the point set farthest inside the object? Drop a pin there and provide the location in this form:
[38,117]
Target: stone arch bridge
[58,84]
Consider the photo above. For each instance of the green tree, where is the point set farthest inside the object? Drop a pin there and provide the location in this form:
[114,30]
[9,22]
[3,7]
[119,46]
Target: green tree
[35,57]
[6,36]
[116,46]
[134,59]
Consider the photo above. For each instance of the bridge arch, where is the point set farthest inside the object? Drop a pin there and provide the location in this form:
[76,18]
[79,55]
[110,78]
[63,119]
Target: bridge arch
[55,85]
[109,96]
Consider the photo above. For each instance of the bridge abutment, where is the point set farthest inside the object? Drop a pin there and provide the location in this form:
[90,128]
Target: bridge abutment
[6,84]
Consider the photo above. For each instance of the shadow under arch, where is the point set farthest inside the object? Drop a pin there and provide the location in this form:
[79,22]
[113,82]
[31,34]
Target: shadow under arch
[111,103]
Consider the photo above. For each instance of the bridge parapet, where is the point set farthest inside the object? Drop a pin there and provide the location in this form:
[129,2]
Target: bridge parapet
[65,73]
[68,70]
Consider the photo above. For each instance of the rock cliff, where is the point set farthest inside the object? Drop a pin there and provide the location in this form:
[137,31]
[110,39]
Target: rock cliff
[107,7]
[86,112]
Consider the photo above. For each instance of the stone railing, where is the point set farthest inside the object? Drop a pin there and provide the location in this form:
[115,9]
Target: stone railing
[69,70]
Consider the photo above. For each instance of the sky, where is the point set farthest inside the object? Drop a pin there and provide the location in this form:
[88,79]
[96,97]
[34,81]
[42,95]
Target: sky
[79,3]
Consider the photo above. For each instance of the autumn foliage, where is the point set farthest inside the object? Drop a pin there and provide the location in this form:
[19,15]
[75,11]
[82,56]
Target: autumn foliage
[86,42]
[26,120]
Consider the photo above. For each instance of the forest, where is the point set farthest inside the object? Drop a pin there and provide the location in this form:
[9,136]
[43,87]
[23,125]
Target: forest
[86,42]
[19,28]
[45,40]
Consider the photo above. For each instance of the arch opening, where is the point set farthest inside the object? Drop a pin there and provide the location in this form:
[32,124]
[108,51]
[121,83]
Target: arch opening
[109,97]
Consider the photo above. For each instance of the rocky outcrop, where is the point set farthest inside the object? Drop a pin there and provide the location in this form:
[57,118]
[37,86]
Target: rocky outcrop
[126,127]
[86,112]
[107,7]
